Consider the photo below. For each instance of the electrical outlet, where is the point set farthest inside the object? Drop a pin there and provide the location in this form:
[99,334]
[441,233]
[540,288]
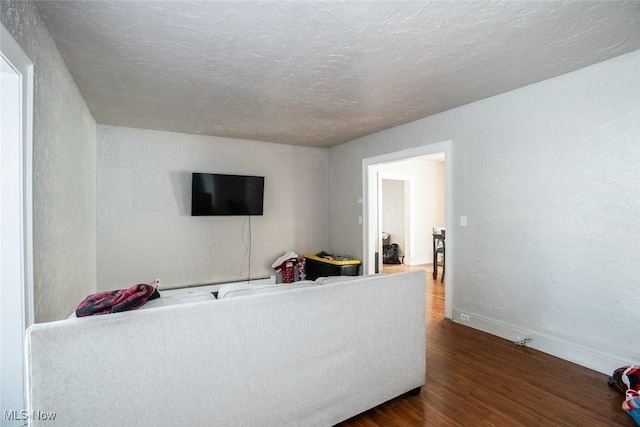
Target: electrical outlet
[464,317]
[157,283]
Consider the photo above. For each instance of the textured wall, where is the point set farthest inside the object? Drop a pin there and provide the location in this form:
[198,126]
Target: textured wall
[548,176]
[64,165]
[145,230]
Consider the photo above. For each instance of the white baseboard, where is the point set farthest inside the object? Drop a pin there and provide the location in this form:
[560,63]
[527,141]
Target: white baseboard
[598,361]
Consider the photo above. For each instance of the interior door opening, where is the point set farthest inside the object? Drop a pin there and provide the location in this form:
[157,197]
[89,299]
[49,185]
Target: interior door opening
[394,216]
[423,208]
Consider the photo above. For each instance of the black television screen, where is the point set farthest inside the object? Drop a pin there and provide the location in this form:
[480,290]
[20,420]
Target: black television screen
[217,194]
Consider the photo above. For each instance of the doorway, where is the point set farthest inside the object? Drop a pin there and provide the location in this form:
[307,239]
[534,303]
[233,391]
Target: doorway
[371,209]
[394,214]
[16,252]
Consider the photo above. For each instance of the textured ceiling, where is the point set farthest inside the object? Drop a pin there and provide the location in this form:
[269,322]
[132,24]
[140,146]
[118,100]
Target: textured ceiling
[320,73]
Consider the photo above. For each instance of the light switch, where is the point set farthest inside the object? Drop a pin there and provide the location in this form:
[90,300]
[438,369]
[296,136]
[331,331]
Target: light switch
[463,221]
[359,220]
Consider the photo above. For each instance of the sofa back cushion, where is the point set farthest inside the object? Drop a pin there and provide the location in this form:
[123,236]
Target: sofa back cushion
[231,290]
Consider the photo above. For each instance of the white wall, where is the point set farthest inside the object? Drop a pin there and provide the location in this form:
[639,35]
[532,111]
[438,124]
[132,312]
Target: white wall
[393,211]
[64,165]
[145,230]
[548,177]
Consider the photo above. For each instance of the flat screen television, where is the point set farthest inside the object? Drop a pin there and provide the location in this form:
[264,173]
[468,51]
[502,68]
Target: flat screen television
[217,194]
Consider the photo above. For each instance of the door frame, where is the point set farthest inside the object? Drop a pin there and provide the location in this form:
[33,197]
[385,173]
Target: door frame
[370,209]
[12,53]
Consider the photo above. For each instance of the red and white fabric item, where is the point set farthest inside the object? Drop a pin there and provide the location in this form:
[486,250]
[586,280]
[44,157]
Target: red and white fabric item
[286,264]
[301,265]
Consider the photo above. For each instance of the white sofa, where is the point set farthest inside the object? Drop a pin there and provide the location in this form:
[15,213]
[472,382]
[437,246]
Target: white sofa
[312,355]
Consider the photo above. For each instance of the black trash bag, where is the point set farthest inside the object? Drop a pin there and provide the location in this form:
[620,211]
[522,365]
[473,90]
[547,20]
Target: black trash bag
[390,254]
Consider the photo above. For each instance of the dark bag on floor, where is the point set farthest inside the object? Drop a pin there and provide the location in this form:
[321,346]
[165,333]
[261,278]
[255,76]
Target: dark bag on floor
[390,254]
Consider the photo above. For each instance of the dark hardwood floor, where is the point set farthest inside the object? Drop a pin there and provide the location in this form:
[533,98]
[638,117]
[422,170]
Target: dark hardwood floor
[477,379]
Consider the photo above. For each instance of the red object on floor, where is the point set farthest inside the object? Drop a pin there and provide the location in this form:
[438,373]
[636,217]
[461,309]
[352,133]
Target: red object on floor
[288,273]
[288,267]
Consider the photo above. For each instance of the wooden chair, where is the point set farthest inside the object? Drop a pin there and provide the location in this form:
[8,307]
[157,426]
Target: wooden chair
[438,248]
